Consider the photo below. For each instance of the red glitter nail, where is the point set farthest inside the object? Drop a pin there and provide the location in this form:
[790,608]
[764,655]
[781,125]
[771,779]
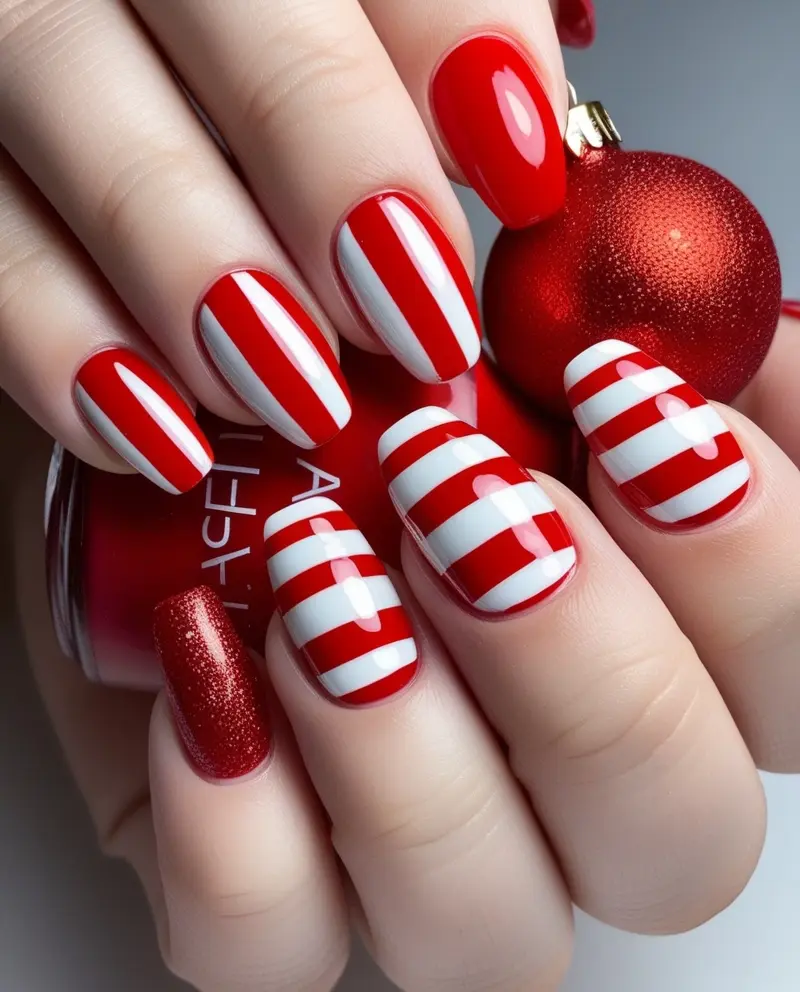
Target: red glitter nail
[213,685]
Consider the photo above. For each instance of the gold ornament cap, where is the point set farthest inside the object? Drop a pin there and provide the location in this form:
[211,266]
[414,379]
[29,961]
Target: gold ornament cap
[589,126]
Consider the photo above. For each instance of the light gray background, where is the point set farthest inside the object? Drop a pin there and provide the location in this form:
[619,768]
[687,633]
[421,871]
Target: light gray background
[713,79]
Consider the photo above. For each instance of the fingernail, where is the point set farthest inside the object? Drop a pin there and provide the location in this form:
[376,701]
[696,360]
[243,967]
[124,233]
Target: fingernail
[576,23]
[670,453]
[143,418]
[273,355]
[496,120]
[478,517]
[791,308]
[213,686]
[338,603]
[411,286]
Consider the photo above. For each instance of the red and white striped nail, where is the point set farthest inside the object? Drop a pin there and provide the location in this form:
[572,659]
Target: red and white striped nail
[411,286]
[477,515]
[791,308]
[338,603]
[670,453]
[273,355]
[143,418]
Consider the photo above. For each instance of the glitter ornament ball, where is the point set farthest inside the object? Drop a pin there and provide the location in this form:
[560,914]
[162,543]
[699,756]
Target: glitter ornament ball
[650,248]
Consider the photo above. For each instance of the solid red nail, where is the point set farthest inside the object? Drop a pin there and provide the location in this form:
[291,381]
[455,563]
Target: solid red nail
[339,605]
[273,355]
[214,689]
[409,282]
[576,23]
[672,456]
[143,418]
[497,122]
[791,308]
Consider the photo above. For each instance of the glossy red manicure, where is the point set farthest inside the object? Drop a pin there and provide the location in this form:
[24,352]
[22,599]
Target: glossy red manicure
[479,518]
[338,603]
[576,23]
[671,454]
[143,418]
[274,357]
[214,689]
[791,308]
[497,122]
[411,285]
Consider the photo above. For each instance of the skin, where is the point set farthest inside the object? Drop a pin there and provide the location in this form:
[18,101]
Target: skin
[600,749]
[600,756]
[153,200]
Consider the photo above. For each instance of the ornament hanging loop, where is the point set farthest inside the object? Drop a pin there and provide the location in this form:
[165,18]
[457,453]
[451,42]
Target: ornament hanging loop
[589,126]
[573,95]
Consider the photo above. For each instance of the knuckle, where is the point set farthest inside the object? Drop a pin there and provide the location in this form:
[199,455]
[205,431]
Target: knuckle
[462,807]
[240,885]
[150,180]
[325,65]
[216,889]
[636,707]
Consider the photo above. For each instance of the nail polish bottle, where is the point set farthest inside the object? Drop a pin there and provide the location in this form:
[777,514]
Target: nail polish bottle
[117,545]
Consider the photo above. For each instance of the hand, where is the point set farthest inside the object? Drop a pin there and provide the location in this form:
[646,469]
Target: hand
[143,270]
[599,747]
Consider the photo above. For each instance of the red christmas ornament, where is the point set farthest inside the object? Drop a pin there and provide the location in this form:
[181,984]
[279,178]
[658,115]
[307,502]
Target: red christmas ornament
[650,248]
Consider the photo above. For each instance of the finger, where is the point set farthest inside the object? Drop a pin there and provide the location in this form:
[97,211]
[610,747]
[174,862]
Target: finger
[73,358]
[489,83]
[453,874]
[634,765]
[312,107]
[699,493]
[769,400]
[124,159]
[102,732]
[251,889]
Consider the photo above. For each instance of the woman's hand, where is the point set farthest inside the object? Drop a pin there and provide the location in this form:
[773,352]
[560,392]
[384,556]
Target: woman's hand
[599,747]
[143,269]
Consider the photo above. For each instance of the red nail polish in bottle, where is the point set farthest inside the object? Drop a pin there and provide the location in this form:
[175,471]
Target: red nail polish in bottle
[117,546]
